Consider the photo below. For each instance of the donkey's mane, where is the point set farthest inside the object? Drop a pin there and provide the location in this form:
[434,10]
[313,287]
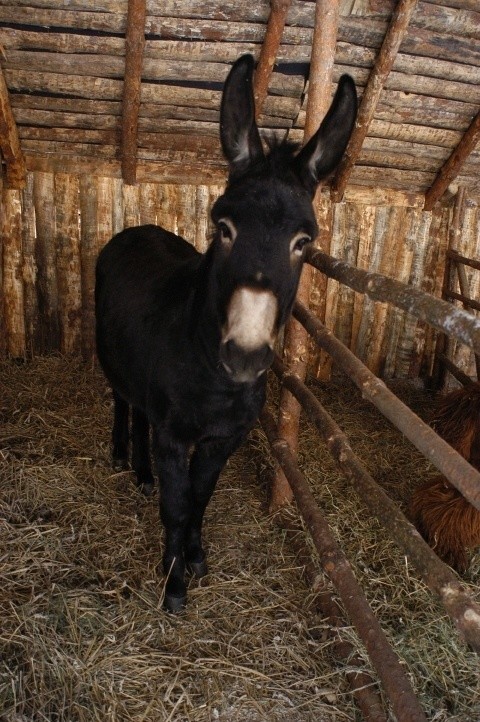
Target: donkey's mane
[277,160]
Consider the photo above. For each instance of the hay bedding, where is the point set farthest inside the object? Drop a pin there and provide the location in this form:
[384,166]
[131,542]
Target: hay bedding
[83,636]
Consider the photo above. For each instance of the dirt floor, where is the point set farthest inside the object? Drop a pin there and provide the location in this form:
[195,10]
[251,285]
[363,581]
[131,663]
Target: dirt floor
[83,636]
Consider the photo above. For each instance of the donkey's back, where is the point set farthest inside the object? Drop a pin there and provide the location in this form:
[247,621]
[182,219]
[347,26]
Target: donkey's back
[144,277]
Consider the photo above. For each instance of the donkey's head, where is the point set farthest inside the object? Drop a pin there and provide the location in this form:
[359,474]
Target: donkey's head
[265,219]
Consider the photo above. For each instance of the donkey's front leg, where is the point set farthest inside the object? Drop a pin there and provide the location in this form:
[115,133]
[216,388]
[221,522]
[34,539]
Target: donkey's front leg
[120,435]
[207,462]
[175,512]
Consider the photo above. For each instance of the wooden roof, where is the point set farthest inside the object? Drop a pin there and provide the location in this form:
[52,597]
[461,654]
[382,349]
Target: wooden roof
[77,96]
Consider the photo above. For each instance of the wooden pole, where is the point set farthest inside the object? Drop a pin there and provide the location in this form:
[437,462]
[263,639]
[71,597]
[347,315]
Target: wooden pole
[296,339]
[268,52]
[456,322]
[376,81]
[452,166]
[457,469]
[10,142]
[11,260]
[134,47]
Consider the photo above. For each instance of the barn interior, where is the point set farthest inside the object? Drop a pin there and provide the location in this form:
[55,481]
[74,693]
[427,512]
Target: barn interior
[109,114]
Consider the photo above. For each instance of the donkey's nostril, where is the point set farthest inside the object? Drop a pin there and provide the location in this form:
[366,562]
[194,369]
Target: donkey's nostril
[245,366]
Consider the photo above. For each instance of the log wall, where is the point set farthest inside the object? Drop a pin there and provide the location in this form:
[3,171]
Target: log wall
[51,233]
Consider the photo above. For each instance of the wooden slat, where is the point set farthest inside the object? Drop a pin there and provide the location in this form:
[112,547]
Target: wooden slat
[91,87]
[12,262]
[9,140]
[68,261]
[29,271]
[390,46]
[135,43]
[450,170]
[88,202]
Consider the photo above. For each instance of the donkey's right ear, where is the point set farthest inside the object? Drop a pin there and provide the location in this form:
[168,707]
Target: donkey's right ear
[239,134]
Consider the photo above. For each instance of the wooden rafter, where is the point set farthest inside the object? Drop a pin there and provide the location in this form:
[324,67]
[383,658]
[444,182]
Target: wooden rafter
[135,43]
[296,339]
[449,171]
[371,95]
[9,141]
[269,50]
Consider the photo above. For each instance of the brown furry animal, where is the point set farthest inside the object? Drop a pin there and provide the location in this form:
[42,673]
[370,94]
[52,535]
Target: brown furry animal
[445,519]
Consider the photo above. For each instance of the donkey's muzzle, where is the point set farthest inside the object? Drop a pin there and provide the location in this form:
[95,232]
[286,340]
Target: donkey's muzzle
[245,365]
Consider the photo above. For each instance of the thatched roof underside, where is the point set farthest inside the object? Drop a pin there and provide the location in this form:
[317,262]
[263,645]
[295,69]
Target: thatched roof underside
[65,68]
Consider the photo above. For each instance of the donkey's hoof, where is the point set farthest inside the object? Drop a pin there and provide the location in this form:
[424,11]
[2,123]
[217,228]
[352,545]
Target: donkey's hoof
[120,464]
[174,604]
[198,569]
[147,488]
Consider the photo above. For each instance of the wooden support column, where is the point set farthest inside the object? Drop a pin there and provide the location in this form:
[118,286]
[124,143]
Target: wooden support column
[371,95]
[134,47]
[443,342]
[9,141]
[452,166]
[296,338]
[268,52]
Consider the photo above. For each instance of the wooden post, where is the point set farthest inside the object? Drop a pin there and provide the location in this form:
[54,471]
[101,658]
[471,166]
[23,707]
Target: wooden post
[9,141]
[88,256]
[443,341]
[13,291]
[68,262]
[134,46]
[29,268]
[47,280]
[451,168]
[268,52]
[380,72]
[296,339]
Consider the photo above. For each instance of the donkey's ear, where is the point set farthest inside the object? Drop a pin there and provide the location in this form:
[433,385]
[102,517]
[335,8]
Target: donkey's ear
[324,150]
[239,134]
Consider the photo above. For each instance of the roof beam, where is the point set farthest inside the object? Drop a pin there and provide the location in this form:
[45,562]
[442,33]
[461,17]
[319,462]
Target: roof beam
[132,86]
[388,52]
[451,168]
[268,52]
[9,141]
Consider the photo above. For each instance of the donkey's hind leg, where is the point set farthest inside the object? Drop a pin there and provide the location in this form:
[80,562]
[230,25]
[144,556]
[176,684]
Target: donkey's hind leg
[120,433]
[141,462]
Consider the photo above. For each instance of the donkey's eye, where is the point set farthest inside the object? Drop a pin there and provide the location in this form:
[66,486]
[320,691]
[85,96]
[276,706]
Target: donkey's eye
[298,243]
[226,230]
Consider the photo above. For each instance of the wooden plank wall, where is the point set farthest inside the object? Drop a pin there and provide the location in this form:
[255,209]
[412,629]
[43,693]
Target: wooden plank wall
[51,233]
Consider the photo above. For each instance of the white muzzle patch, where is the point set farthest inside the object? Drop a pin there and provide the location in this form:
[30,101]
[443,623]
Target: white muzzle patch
[251,318]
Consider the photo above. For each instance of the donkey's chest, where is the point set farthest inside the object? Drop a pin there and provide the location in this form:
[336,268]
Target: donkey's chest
[194,412]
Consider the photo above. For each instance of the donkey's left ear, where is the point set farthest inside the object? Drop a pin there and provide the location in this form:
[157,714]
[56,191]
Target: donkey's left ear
[325,149]
[239,134]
